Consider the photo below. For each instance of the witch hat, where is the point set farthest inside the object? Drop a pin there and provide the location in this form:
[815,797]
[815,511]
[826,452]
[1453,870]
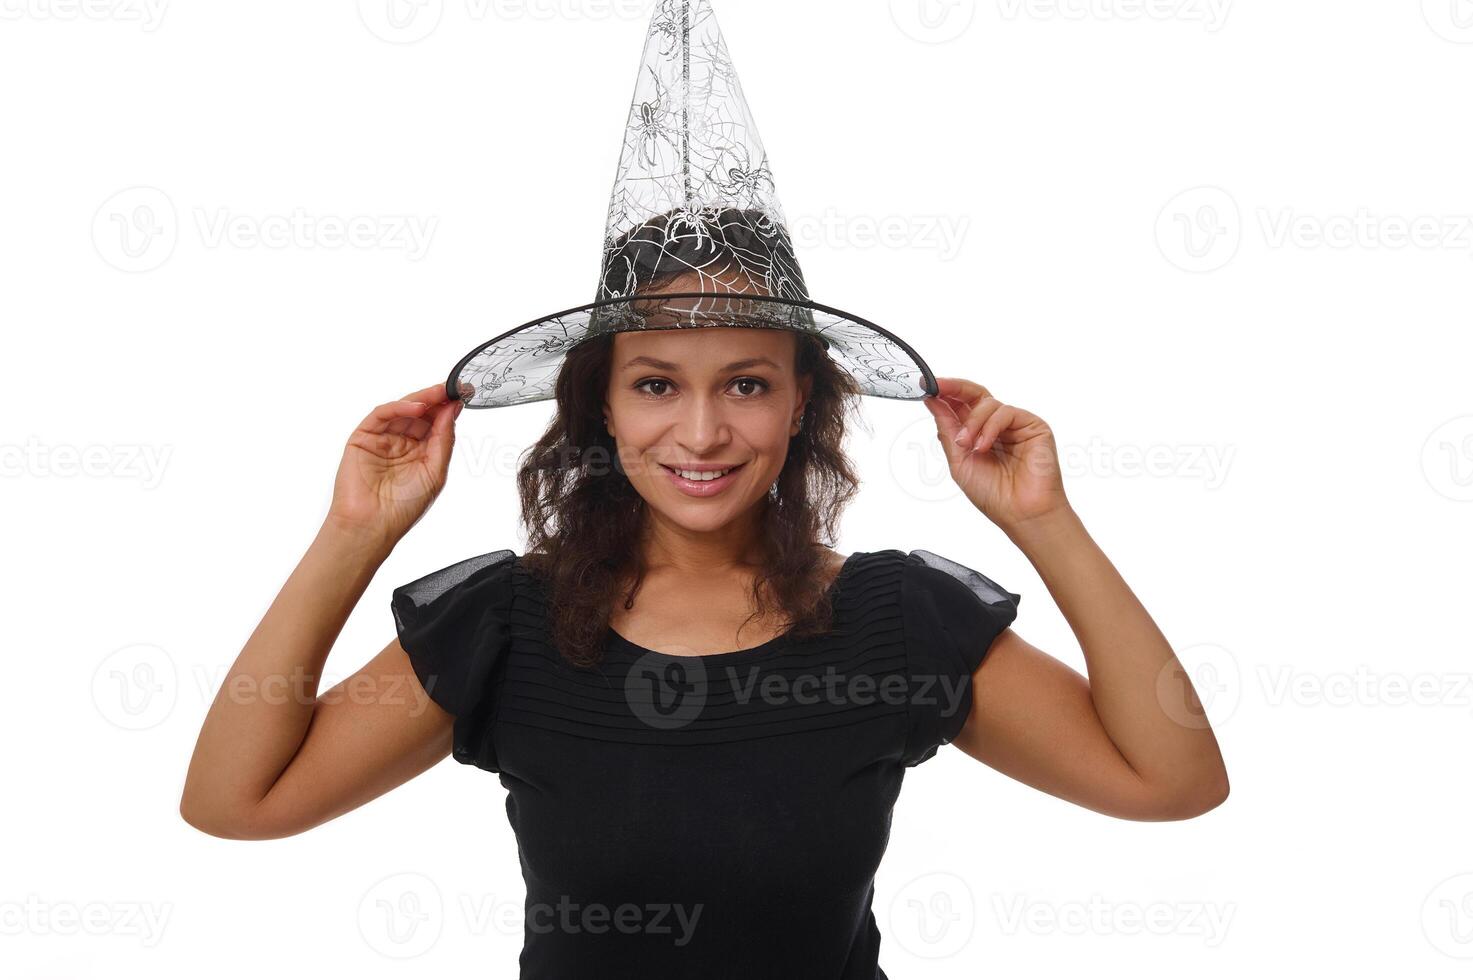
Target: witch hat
[693,197]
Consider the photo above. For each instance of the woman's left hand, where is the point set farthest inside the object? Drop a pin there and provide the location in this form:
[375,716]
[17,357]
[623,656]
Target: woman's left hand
[1007,463]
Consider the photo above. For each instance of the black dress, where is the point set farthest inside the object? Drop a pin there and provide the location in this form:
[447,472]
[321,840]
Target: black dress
[713,816]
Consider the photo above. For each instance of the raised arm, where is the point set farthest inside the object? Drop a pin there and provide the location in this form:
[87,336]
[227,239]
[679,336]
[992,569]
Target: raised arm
[274,757]
[1131,740]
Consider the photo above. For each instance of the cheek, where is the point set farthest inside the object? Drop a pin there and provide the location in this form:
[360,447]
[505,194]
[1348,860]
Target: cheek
[767,434]
[637,429]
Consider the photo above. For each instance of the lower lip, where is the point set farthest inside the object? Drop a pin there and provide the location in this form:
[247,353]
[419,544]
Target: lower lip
[702,488]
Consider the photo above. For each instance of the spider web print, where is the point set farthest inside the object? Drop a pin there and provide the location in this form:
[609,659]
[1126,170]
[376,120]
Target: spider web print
[523,367]
[693,196]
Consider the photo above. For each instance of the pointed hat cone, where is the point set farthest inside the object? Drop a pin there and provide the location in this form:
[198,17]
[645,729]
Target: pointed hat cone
[693,167]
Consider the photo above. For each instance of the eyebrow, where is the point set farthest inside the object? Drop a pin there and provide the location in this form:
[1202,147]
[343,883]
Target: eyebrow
[655,362]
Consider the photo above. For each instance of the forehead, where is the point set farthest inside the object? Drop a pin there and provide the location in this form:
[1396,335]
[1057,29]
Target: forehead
[703,348]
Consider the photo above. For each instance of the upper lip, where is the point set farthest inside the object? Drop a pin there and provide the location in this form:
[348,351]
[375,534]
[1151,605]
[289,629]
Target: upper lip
[702,467]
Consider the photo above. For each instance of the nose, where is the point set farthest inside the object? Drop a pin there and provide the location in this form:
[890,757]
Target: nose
[702,426]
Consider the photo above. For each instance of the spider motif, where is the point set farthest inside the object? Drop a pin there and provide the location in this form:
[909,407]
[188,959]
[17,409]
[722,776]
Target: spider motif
[631,281]
[552,346]
[667,24]
[747,184]
[735,176]
[688,219]
[669,32]
[780,285]
[768,226]
[487,381]
[652,124]
[886,372]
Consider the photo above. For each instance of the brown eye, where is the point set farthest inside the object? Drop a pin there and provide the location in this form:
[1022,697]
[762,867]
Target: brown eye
[761,385]
[652,381]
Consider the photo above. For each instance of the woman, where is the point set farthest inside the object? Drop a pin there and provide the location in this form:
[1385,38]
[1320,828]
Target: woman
[701,714]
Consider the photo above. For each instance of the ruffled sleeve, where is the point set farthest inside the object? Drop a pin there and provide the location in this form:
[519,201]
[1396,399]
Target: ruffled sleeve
[951,616]
[453,623]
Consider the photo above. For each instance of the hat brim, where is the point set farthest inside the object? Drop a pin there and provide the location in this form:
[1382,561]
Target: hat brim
[521,365]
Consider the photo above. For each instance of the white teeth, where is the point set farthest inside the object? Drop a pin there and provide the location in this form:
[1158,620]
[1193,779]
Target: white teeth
[702,475]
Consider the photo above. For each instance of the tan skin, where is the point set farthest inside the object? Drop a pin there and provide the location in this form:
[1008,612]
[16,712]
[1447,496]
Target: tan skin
[1119,742]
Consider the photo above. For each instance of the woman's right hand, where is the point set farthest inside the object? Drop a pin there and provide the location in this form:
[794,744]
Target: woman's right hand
[395,465]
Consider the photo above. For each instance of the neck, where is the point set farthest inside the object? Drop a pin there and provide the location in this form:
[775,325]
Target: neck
[736,544]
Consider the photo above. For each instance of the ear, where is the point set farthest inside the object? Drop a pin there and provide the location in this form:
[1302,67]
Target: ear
[805,388]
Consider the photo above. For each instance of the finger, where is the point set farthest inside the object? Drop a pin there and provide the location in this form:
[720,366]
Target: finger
[975,419]
[960,389]
[999,422]
[433,395]
[390,416]
[416,429]
[1022,426]
[386,415]
[963,396]
[959,408]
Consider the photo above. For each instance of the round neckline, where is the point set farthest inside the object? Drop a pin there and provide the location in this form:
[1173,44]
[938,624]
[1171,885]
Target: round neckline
[618,639]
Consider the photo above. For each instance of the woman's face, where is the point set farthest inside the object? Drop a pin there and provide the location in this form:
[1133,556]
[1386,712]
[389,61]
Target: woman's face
[707,399]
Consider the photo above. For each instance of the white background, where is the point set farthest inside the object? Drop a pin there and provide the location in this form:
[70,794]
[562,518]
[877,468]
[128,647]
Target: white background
[1224,248]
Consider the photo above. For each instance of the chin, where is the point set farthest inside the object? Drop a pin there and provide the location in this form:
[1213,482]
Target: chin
[697,524]
[697,514]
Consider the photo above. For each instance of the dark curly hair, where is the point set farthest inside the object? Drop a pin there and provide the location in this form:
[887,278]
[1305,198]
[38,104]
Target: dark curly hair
[584,518]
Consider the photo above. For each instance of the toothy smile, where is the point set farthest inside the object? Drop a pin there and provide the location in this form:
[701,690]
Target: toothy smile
[702,475]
